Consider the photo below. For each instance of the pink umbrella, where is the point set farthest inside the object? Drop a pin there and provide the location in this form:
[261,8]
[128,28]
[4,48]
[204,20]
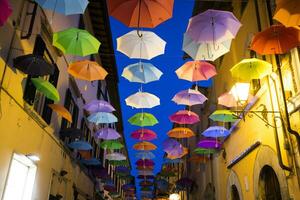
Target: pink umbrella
[107,134]
[209,144]
[145,162]
[144,134]
[189,97]
[184,117]
[6,11]
[196,71]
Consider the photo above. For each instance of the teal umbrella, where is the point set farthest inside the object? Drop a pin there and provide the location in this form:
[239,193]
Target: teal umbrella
[65,7]
[102,118]
[46,88]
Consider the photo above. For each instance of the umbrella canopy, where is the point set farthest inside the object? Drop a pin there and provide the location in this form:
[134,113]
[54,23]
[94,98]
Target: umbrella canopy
[189,97]
[123,169]
[6,11]
[145,155]
[111,144]
[145,162]
[102,118]
[75,41]
[141,73]
[287,13]
[146,47]
[91,162]
[71,132]
[98,106]
[181,132]
[141,13]
[118,162]
[143,119]
[216,131]
[107,134]
[115,156]
[209,144]
[213,26]
[142,100]
[87,70]
[227,99]
[80,145]
[144,145]
[62,111]
[204,151]
[46,88]
[198,159]
[196,71]
[144,134]
[223,116]
[184,117]
[33,65]
[65,7]
[276,39]
[176,155]
[171,145]
[173,161]
[205,50]
[251,68]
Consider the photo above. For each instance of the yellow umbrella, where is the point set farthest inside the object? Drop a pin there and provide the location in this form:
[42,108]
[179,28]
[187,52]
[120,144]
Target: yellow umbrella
[287,12]
[144,146]
[181,132]
[62,111]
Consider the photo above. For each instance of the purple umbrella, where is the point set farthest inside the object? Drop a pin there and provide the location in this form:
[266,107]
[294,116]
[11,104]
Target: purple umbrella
[213,26]
[209,144]
[122,169]
[6,11]
[189,97]
[216,131]
[171,144]
[107,134]
[98,106]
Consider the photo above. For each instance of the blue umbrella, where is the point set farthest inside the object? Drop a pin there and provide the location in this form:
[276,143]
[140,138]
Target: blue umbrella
[216,131]
[144,155]
[102,118]
[91,162]
[173,161]
[65,7]
[80,145]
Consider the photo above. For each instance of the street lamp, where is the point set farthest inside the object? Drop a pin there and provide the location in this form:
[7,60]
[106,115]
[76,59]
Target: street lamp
[240,92]
[174,196]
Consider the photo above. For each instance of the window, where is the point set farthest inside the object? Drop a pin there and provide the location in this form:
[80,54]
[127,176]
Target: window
[102,92]
[20,180]
[86,131]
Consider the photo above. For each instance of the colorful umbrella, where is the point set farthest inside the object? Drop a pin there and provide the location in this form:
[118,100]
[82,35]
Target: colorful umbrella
[216,131]
[118,162]
[107,134]
[141,13]
[141,73]
[173,161]
[146,47]
[102,118]
[87,70]
[181,132]
[196,71]
[46,88]
[276,39]
[115,156]
[205,50]
[111,144]
[142,100]
[143,119]
[98,106]
[145,155]
[144,146]
[287,13]
[176,155]
[189,97]
[91,162]
[6,11]
[213,26]
[171,145]
[204,151]
[33,65]
[143,134]
[71,132]
[251,68]
[62,111]
[145,162]
[65,7]
[122,170]
[80,145]
[76,42]
[209,144]
[184,117]
[227,99]
[223,116]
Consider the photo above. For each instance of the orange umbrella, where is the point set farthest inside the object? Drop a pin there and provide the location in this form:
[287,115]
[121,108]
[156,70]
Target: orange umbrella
[85,154]
[181,132]
[141,13]
[287,12]
[198,159]
[185,151]
[144,146]
[276,39]
[87,70]
[62,111]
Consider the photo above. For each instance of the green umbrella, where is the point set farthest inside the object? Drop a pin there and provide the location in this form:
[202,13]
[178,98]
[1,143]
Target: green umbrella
[204,151]
[118,162]
[76,42]
[252,68]
[143,119]
[223,116]
[111,144]
[46,88]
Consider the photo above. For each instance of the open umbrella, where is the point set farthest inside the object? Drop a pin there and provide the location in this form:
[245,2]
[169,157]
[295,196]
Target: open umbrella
[189,97]
[115,156]
[111,144]
[141,13]
[227,99]
[46,88]
[181,132]
[87,70]
[144,155]
[141,73]
[148,146]
[91,162]
[107,134]
[102,118]
[145,162]
[98,106]
[176,155]
[122,169]
[65,7]
[276,39]
[204,151]
[33,65]
[143,119]
[62,111]
[147,46]
[142,100]
[80,145]
[184,117]
[76,42]
[118,162]
[287,13]
[173,161]
[143,134]
[6,11]
[196,71]
[223,116]
[209,144]
[172,145]
[216,131]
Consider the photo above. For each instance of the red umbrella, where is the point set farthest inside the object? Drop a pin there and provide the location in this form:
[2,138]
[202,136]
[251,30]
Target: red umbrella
[6,11]
[144,134]
[145,162]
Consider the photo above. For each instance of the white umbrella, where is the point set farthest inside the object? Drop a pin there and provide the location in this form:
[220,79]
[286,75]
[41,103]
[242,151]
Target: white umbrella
[148,46]
[142,100]
[115,156]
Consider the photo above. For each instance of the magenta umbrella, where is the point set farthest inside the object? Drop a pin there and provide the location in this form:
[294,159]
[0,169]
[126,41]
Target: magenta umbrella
[209,144]
[107,134]
[189,97]
[171,144]
[184,117]
[98,106]
[5,11]
[144,134]
[213,26]
[145,162]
